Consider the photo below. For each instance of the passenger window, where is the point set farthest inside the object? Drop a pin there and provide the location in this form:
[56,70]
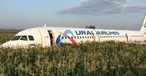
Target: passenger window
[24,38]
[83,37]
[65,37]
[74,37]
[68,37]
[31,38]
[62,37]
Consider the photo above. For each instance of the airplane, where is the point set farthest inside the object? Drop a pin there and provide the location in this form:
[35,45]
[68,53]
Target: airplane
[52,36]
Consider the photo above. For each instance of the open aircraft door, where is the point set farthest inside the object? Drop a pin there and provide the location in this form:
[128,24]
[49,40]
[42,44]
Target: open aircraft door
[51,35]
[45,38]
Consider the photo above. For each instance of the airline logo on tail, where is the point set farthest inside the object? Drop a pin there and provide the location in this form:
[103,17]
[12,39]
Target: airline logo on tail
[65,34]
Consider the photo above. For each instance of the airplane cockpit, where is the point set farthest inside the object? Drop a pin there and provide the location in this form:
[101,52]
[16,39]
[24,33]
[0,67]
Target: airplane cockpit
[20,40]
[23,37]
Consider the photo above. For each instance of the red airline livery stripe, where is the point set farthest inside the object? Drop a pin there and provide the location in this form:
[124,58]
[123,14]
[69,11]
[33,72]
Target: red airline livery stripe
[72,40]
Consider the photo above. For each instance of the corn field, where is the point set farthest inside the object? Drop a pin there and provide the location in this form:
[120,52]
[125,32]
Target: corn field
[90,59]
[6,35]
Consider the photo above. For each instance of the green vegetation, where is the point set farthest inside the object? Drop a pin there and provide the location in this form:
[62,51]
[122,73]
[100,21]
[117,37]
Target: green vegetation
[90,59]
[6,35]
[104,59]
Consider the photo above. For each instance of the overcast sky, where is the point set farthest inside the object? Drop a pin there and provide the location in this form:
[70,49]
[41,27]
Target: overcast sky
[106,14]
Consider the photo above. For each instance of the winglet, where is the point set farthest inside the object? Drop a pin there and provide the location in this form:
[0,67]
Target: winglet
[45,25]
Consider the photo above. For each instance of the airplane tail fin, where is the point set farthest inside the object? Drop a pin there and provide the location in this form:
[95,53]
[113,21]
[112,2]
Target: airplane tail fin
[143,28]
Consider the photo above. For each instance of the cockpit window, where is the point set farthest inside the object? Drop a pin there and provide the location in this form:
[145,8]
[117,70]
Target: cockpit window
[30,38]
[24,37]
[15,38]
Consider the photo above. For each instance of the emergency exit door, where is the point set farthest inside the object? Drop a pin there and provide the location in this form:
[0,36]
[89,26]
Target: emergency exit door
[50,32]
[45,38]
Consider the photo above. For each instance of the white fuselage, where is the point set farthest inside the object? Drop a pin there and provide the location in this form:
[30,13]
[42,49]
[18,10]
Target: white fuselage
[49,36]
